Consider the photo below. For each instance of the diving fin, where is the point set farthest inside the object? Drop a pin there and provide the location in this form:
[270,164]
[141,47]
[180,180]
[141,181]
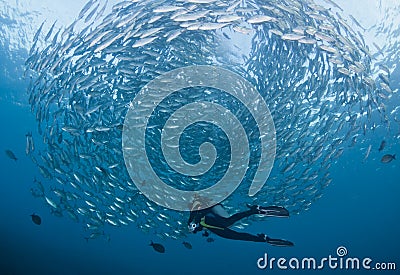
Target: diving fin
[279,242]
[273,211]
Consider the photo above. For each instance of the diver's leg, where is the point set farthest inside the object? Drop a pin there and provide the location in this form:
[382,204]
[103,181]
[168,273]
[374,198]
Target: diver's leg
[238,216]
[275,211]
[227,222]
[260,238]
[233,235]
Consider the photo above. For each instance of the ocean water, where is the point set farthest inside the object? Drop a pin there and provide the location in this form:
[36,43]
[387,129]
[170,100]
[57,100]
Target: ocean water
[358,210]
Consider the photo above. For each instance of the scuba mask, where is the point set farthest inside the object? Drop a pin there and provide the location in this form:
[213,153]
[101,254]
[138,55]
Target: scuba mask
[192,226]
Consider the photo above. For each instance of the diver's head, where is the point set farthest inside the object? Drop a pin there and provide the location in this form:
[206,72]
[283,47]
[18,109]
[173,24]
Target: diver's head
[194,227]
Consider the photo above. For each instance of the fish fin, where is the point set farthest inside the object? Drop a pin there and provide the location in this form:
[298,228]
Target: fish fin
[278,242]
[273,211]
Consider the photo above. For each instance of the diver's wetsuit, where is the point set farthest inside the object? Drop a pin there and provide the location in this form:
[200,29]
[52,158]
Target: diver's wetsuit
[219,225]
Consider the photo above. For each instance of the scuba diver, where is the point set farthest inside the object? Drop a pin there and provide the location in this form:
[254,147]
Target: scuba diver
[218,221]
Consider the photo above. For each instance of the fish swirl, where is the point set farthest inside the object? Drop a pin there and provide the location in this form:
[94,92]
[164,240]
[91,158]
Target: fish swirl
[142,107]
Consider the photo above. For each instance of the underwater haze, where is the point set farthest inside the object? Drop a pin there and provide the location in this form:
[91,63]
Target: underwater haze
[290,103]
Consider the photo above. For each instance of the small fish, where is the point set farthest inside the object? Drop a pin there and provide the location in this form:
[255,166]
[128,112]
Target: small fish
[388,158]
[164,9]
[382,146]
[257,19]
[50,31]
[36,219]
[94,235]
[356,22]
[157,247]
[206,234]
[144,41]
[384,78]
[36,36]
[385,69]
[292,36]
[367,152]
[30,147]
[210,240]
[86,8]
[187,245]
[51,202]
[11,155]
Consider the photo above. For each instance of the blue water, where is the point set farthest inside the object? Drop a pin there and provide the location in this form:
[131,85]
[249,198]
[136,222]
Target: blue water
[359,210]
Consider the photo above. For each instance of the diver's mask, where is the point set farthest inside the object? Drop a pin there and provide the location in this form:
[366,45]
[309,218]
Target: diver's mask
[192,226]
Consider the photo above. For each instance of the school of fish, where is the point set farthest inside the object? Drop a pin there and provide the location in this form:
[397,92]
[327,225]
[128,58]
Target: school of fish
[313,70]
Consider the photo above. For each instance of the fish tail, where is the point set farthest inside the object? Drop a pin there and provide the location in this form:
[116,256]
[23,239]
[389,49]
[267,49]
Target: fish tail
[394,156]
[151,243]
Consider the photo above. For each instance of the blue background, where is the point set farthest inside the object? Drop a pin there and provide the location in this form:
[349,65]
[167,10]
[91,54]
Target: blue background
[359,210]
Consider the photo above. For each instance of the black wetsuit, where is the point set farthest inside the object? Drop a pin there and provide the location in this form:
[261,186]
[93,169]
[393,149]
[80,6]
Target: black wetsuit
[220,225]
